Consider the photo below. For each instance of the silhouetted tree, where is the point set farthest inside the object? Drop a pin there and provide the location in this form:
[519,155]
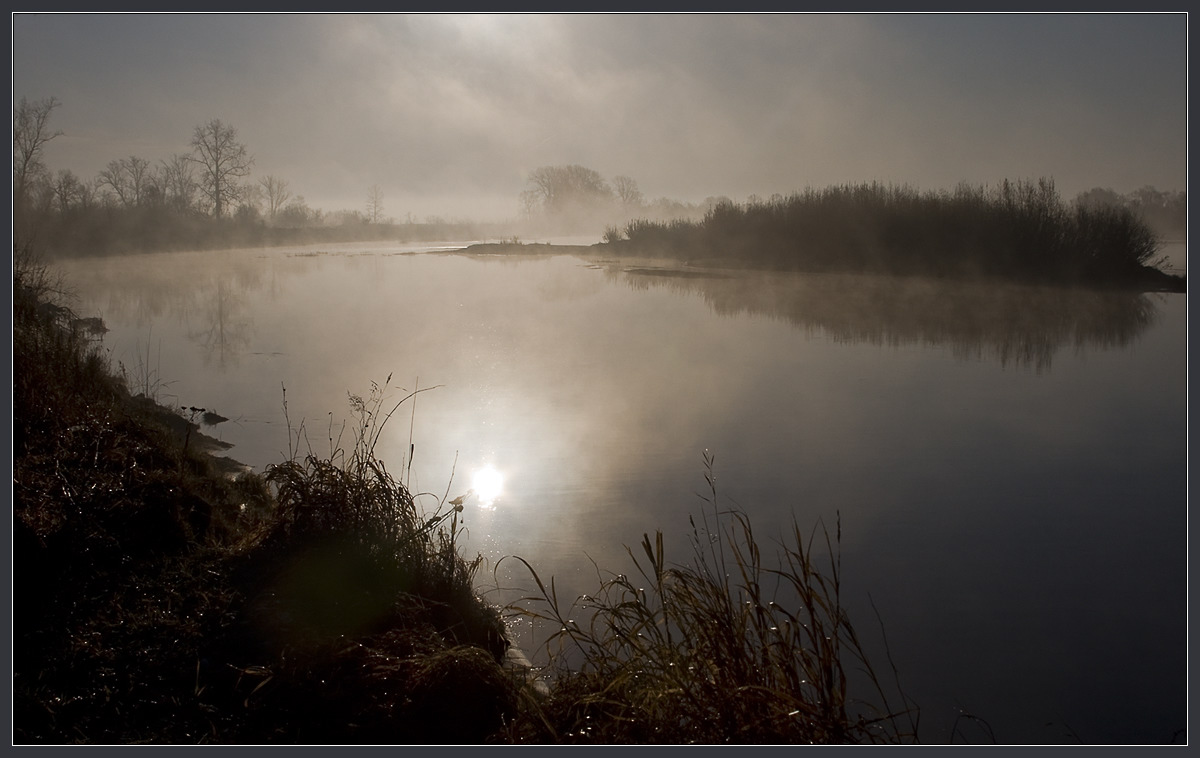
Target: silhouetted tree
[67,190]
[297,214]
[112,179]
[222,160]
[276,192]
[1165,212]
[557,188]
[129,179]
[374,203]
[627,190]
[1098,197]
[31,132]
[177,181]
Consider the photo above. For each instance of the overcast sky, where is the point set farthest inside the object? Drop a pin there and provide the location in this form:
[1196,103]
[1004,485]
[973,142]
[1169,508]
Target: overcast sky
[448,114]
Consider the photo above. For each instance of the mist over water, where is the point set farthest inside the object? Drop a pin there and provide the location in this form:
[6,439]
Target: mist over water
[1008,463]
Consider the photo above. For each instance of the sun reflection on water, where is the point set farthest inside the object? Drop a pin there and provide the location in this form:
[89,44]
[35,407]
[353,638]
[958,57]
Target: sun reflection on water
[488,484]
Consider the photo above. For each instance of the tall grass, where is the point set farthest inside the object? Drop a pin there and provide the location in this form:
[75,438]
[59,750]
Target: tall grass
[1020,230]
[728,648]
[382,553]
[359,611]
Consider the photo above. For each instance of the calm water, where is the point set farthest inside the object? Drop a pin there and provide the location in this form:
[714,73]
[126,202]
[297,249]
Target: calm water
[1009,464]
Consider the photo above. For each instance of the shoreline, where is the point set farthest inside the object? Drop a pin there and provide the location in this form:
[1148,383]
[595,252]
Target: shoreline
[1149,279]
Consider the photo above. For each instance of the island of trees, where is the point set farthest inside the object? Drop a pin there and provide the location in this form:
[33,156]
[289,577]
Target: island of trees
[1016,231]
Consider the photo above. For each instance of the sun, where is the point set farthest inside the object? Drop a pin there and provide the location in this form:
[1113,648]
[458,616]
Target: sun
[488,484]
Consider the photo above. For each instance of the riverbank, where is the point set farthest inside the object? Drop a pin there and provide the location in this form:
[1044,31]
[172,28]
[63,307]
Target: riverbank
[162,598]
[1143,278]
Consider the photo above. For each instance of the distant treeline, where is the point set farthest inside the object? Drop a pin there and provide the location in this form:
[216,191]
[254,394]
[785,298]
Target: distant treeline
[1017,230]
[1164,212]
[120,230]
[193,200]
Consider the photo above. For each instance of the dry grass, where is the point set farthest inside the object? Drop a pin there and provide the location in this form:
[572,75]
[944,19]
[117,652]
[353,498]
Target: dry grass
[351,544]
[724,649]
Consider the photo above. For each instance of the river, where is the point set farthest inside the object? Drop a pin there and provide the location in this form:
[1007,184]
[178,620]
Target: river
[1008,464]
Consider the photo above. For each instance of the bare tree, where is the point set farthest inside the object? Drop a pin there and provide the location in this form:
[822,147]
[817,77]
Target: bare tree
[30,134]
[177,180]
[250,202]
[529,202]
[113,177]
[297,214]
[140,177]
[67,190]
[627,190]
[276,193]
[558,188]
[222,160]
[374,203]
[88,190]
[129,178]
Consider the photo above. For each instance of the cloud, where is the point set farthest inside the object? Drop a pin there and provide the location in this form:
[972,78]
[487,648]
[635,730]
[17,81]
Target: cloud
[451,105]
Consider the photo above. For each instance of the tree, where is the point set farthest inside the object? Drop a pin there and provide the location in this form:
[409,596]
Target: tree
[1098,197]
[1148,197]
[560,188]
[297,214]
[67,190]
[222,161]
[374,203]
[529,202]
[30,134]
[113,177]
[277,194]
[177,181]
[87,193]
[627,190]
[129,178]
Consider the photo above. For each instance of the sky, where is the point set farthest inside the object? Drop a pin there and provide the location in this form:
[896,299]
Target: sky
[449,113]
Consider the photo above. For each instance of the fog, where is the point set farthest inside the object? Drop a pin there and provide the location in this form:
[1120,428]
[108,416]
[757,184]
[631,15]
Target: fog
[448,114]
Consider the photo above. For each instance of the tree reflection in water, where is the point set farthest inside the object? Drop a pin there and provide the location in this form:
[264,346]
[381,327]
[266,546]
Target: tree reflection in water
[1023,325]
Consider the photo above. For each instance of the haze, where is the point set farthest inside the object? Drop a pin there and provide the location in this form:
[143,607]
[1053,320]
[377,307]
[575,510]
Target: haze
[448,114]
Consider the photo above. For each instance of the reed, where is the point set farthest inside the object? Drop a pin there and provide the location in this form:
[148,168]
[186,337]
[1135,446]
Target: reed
[725,648]
[383,551]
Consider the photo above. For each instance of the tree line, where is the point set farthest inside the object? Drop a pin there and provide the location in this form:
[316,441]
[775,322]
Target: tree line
[1019,230]
[1164,211]
[200,197]
[574,197]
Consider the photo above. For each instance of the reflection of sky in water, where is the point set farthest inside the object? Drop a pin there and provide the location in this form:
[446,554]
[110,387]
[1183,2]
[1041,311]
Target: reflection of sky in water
[1015,520]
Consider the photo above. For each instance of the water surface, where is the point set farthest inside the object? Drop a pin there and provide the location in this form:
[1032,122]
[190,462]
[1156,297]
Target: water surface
[1008,463]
